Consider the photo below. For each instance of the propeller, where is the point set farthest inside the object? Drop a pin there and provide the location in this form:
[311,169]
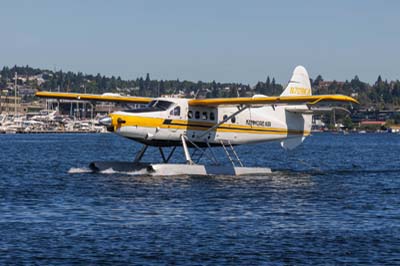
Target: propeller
[107,121]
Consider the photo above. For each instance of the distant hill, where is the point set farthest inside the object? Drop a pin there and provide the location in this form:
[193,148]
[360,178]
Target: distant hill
[380,95]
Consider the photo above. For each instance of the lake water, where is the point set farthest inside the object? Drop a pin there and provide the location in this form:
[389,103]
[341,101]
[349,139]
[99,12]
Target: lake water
[334,200]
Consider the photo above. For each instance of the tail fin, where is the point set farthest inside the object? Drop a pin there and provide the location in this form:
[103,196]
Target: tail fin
[299,84]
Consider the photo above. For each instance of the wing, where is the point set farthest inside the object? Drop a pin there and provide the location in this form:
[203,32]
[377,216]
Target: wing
[93,97]
[309,100]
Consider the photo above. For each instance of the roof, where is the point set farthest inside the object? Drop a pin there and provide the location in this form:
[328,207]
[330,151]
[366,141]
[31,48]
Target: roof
[370,122]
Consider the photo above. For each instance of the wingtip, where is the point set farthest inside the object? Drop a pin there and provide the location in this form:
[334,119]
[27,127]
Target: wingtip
[351,99]
[346,98]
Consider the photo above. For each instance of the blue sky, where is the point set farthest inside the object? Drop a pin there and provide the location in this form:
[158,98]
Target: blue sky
[235,41]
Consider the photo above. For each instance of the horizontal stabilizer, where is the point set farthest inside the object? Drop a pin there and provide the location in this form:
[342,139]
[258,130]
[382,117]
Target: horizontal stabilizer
[316,110]
[299,110]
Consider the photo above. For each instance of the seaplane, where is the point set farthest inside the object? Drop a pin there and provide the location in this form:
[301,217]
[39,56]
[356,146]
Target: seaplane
[199,125]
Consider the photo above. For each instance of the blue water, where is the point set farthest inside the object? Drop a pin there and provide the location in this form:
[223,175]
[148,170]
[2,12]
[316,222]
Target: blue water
[333,201]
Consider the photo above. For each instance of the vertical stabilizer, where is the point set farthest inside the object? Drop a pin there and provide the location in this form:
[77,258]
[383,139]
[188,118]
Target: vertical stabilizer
[299,84]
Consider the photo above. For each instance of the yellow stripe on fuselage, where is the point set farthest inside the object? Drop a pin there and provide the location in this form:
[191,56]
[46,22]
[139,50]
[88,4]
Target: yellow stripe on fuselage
[151,122]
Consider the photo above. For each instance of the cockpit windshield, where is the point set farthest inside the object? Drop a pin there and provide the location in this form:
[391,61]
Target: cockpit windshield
[159,104]
[153,106]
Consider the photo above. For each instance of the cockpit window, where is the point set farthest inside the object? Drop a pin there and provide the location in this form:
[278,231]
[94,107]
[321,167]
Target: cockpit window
[160,104]
[176,111]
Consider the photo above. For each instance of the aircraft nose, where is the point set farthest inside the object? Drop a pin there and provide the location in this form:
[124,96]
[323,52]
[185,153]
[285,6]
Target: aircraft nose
[106,121]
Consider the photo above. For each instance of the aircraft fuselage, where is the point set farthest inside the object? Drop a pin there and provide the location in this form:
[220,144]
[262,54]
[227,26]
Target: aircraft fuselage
[164,127]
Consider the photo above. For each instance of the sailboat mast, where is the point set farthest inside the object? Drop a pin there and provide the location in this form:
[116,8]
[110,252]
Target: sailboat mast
[15,96]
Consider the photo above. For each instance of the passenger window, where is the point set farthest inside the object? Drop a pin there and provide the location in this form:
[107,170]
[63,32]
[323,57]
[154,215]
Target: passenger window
[204,116]
[197,115]
[212,117]
[233,119]
[190,114]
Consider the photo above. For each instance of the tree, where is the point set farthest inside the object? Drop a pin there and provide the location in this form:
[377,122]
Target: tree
[273,87]
[379,80]
[113,83]
[161,88]
[317,80]
[259,88]
[147,81]
[348,123]
[266,88]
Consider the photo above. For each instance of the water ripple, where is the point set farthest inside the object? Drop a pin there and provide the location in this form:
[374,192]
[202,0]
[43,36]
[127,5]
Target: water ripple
[332,201]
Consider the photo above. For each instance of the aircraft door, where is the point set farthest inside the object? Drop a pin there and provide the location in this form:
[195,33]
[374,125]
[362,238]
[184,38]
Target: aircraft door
[174,114]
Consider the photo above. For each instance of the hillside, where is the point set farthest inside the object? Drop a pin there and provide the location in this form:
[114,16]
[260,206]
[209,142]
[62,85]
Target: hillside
[382,95]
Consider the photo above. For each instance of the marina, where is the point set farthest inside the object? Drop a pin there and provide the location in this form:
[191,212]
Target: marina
[47,121]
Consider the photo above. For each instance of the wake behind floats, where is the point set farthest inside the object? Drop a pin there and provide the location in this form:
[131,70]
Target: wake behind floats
[197,125]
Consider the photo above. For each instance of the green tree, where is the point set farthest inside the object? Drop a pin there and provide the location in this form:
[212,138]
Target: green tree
[348,123]
[317,80]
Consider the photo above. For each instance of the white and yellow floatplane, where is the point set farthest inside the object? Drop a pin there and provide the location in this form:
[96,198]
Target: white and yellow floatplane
[200,124]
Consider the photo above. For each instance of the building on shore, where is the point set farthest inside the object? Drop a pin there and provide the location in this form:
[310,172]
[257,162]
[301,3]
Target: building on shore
[10,104]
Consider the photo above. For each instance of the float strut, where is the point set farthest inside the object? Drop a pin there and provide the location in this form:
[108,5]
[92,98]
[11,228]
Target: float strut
[186,150]
[166,160]
[140,154]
